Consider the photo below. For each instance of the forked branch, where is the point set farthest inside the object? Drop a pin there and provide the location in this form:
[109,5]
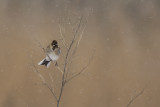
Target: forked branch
[43,80]
[70,50]
[82,70]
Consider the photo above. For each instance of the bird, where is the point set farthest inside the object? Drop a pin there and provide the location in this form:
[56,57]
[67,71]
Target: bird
[52,54]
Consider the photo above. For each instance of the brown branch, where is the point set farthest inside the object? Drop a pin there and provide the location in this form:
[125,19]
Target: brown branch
[59,69]
[71,44]
[76,47]
[50,76]
[41,46]
[66,61]
[78,42]
[62,37]
[135,97]
[60,95]
[82,70]
[51,90]
[43,80]
[75,41]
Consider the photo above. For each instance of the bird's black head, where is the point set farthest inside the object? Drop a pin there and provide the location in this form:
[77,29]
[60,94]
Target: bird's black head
[54,42]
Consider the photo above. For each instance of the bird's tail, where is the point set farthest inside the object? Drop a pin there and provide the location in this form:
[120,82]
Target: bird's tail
[45,62]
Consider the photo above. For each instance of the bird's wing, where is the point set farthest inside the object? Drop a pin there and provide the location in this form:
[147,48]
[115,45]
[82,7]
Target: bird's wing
[57,51]
[48,57]
[48,49]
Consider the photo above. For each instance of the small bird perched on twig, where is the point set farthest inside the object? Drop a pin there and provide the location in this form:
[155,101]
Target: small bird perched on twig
[52,54]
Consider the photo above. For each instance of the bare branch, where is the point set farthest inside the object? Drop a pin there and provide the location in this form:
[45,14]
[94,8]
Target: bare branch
[82,70]
[37,71]
[71,44]
[59,69]
[81,35]
[51,90]
[62,37]
[70,50]
[78,42]
[41,46]
[135,97]
[66,61]
[76,31]
[43,80]
[50,76]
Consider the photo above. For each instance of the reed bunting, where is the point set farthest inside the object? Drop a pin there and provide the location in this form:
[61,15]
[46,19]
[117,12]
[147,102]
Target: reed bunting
[52,54]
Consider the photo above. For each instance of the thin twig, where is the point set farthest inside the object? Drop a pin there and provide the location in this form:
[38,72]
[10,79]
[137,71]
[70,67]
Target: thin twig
[68,69]
[59,69]
[62,37]
[78,42]
[50,76]
[51,90]
[41,46]
[135,97]
[51,79]
[81,35]
[82,70]
[65,64]
[71,44]
[43,80]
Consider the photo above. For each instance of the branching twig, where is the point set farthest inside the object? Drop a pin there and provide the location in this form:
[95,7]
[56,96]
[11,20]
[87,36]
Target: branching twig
[70,50]
[62,37]
[66,61]
[82,70]
[51,90]
[43,80]
[78,42]
[71,44]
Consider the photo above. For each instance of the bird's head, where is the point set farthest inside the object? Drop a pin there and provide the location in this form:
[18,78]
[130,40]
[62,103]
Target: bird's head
[54,43]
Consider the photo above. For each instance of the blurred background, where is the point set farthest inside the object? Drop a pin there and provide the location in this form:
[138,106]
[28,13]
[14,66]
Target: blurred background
[124,34]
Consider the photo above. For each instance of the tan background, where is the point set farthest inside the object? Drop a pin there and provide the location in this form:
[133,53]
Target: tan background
[125,34]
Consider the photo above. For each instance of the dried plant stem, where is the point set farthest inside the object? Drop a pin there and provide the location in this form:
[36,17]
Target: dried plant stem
[135,97]
[65,63]
[70,50]
[44,81]
[82,70]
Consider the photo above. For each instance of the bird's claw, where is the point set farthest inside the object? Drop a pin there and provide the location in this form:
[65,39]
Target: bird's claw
[56,64]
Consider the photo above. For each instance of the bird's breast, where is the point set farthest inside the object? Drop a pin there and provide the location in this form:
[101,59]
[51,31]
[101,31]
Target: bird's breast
[53,56]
